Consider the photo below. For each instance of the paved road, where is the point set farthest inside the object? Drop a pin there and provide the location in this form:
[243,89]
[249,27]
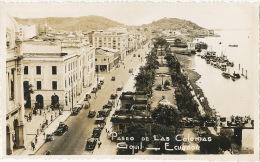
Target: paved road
[80,126]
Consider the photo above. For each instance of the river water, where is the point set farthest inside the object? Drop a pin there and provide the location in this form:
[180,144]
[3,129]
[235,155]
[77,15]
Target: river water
[240,97]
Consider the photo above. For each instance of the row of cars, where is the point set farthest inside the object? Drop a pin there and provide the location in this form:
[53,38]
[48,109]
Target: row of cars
[100,121]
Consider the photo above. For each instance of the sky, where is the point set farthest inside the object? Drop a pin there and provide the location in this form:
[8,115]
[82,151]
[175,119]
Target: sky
[225,15]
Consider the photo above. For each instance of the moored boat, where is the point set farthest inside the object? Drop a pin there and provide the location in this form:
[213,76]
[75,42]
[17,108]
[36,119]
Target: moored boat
[233,45]
[226,75]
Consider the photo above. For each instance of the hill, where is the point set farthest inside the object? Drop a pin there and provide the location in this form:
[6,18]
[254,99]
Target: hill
[184,26]
[84,23]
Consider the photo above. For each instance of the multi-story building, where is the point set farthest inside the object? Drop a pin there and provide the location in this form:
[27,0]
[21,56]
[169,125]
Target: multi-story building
[106,59]
[118,41]
[15,134]
[134,110]
[56,70]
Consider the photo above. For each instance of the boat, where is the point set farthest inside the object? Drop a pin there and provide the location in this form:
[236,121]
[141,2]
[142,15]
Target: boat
[233,45]
[226,75]
[236,76]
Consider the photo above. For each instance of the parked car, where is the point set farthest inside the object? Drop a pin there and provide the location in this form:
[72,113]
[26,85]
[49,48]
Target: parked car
[103,113]
[62,128]
[91,144]
[119,88]
[91,113]
[76,109]
[113,96]
[107,106]
[100,121]
[113,78]
[94,90]
[101,81]
[49,137]
[99,86]
[87,97]
[96,132]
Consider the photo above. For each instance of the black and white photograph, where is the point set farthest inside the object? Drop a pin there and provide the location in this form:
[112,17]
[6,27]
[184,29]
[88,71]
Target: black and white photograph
[130,80]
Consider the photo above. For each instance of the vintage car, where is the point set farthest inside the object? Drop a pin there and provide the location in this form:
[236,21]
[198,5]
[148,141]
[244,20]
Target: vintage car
[119,88]
[88,97]
[99,86]
[96,132]
[94,90]
[107,106]
[113,78]
[76,109]
[103,113]
[90,144]
[49,137]
[113,96]
[91,113]
[62,128]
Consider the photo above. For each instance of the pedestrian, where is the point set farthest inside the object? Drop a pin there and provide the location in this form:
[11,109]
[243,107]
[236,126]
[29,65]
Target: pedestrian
[51,118]
[36,138]
[33,146]
[99,144]
[106,129]
[40,125]
[40,111]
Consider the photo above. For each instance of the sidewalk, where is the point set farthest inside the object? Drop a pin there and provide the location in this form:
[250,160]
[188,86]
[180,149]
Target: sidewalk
[33,126]
[41,138]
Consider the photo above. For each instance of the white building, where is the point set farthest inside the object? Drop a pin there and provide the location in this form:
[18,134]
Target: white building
[15,129]
[106,59]
[53,69]
[118,41]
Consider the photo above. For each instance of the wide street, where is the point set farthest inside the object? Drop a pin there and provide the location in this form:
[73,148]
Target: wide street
[80,126]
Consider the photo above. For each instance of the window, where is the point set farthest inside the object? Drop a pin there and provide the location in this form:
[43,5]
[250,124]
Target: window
[54,84]
[38,70]
[95,59]
[39,85]
[54,70]
[25,70]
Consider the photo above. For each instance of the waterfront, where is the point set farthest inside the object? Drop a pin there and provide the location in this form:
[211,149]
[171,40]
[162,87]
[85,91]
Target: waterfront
[228,97]
[237,98]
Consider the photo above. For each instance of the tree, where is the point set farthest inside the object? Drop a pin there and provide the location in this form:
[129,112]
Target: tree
[217,145]
[166,115]
[137,131]
[166,83]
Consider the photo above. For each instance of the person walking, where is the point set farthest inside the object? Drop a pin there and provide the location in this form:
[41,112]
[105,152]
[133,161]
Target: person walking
[99,144]
[33,146]
[36,138]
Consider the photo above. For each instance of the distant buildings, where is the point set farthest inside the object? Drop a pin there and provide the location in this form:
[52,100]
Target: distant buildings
[106,59]
[118,41]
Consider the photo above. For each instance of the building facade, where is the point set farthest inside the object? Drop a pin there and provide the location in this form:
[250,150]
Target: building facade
[117,41]
[106,59]
[15,134]
[56,70]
